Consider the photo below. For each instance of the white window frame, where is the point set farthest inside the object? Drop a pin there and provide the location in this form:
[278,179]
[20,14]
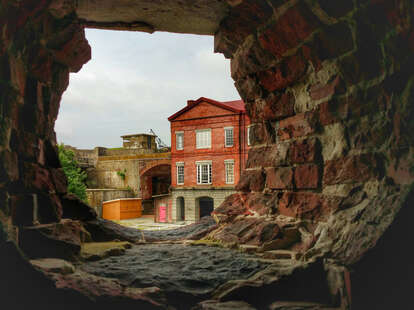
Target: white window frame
[226,130]
[227,176]
[207,143]
[248,134]
[179,165]
[200,166]
[179,133]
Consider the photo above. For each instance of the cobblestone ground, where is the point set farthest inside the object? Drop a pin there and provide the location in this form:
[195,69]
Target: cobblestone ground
[188,271]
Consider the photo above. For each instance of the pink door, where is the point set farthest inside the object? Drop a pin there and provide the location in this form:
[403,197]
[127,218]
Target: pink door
[162,217]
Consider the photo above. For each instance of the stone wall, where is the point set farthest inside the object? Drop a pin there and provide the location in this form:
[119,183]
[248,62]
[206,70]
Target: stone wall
[329,88]
[331,98]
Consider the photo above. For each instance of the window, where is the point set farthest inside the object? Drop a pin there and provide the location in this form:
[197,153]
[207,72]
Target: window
[229,168]
[179,140]
[228,136]
[203,172]
[248,135]
[180,173]
[203,138]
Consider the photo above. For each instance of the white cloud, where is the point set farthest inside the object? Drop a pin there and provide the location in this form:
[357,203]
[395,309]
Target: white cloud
[135,81]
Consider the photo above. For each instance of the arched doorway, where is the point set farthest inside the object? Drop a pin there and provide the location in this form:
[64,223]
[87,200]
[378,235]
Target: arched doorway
[180,205]
[205,206]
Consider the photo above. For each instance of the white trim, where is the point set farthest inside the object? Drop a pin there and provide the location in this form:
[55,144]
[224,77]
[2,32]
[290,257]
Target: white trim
[183,174]
[248,135]
[229,161]
[203,162]
[179,163]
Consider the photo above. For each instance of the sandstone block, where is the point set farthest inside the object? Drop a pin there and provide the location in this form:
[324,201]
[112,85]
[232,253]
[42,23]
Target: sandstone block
[304,151]
[305,205]
[337,9]
[233,206]
[299,125]
[53,265]
[59,240]
[251,180]
[289,30]
[278,107]
[268,156]
[74,208]
[289,71]
[279,178]
[351,169]
[307,176]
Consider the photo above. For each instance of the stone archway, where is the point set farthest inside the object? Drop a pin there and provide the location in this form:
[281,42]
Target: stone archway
[328,88]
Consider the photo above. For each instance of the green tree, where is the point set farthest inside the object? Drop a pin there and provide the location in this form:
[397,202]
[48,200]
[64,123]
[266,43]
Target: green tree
[76,177]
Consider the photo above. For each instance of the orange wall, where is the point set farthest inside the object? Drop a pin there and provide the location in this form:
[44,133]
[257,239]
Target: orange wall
[206,116]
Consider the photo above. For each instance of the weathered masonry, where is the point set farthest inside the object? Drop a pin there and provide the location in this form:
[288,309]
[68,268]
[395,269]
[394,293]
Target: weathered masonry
[329,88]
[138,169]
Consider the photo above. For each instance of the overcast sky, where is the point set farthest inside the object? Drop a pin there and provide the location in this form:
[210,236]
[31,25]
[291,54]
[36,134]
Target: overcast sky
[135,81]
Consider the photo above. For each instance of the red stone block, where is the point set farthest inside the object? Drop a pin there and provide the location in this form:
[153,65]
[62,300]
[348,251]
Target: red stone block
[351,169]
[59,179]
[304,151]
[258,203]
[74,52]
[319,91]
[305,205]
[289,30]
[283,75]
[297,126]
[279,178]
[333,111]
[251,180]
[279,106]
[232,206]
[38,178]
[307,176]
[268,156]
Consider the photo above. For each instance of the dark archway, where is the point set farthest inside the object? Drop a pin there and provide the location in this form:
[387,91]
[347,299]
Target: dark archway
[205,205]
[180,206]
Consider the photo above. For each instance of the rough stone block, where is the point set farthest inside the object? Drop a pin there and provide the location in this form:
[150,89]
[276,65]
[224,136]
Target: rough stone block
[319,91]
[37,177]
[22,209]
[351,169]
[307,176]
[76,209]
[268,156]
[304,151]
[279,106]
[49,208]
[305,205]
[279,178]
[71,48]
[297,126]
[251,180]
[289,30]
[333,111]
[59,240]
[283,75]
[233,206]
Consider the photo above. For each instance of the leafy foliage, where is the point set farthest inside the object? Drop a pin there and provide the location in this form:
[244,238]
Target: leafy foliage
[121,174]
[76,177]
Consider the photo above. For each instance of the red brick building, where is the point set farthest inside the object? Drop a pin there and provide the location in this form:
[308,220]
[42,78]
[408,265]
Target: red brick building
[209,144]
